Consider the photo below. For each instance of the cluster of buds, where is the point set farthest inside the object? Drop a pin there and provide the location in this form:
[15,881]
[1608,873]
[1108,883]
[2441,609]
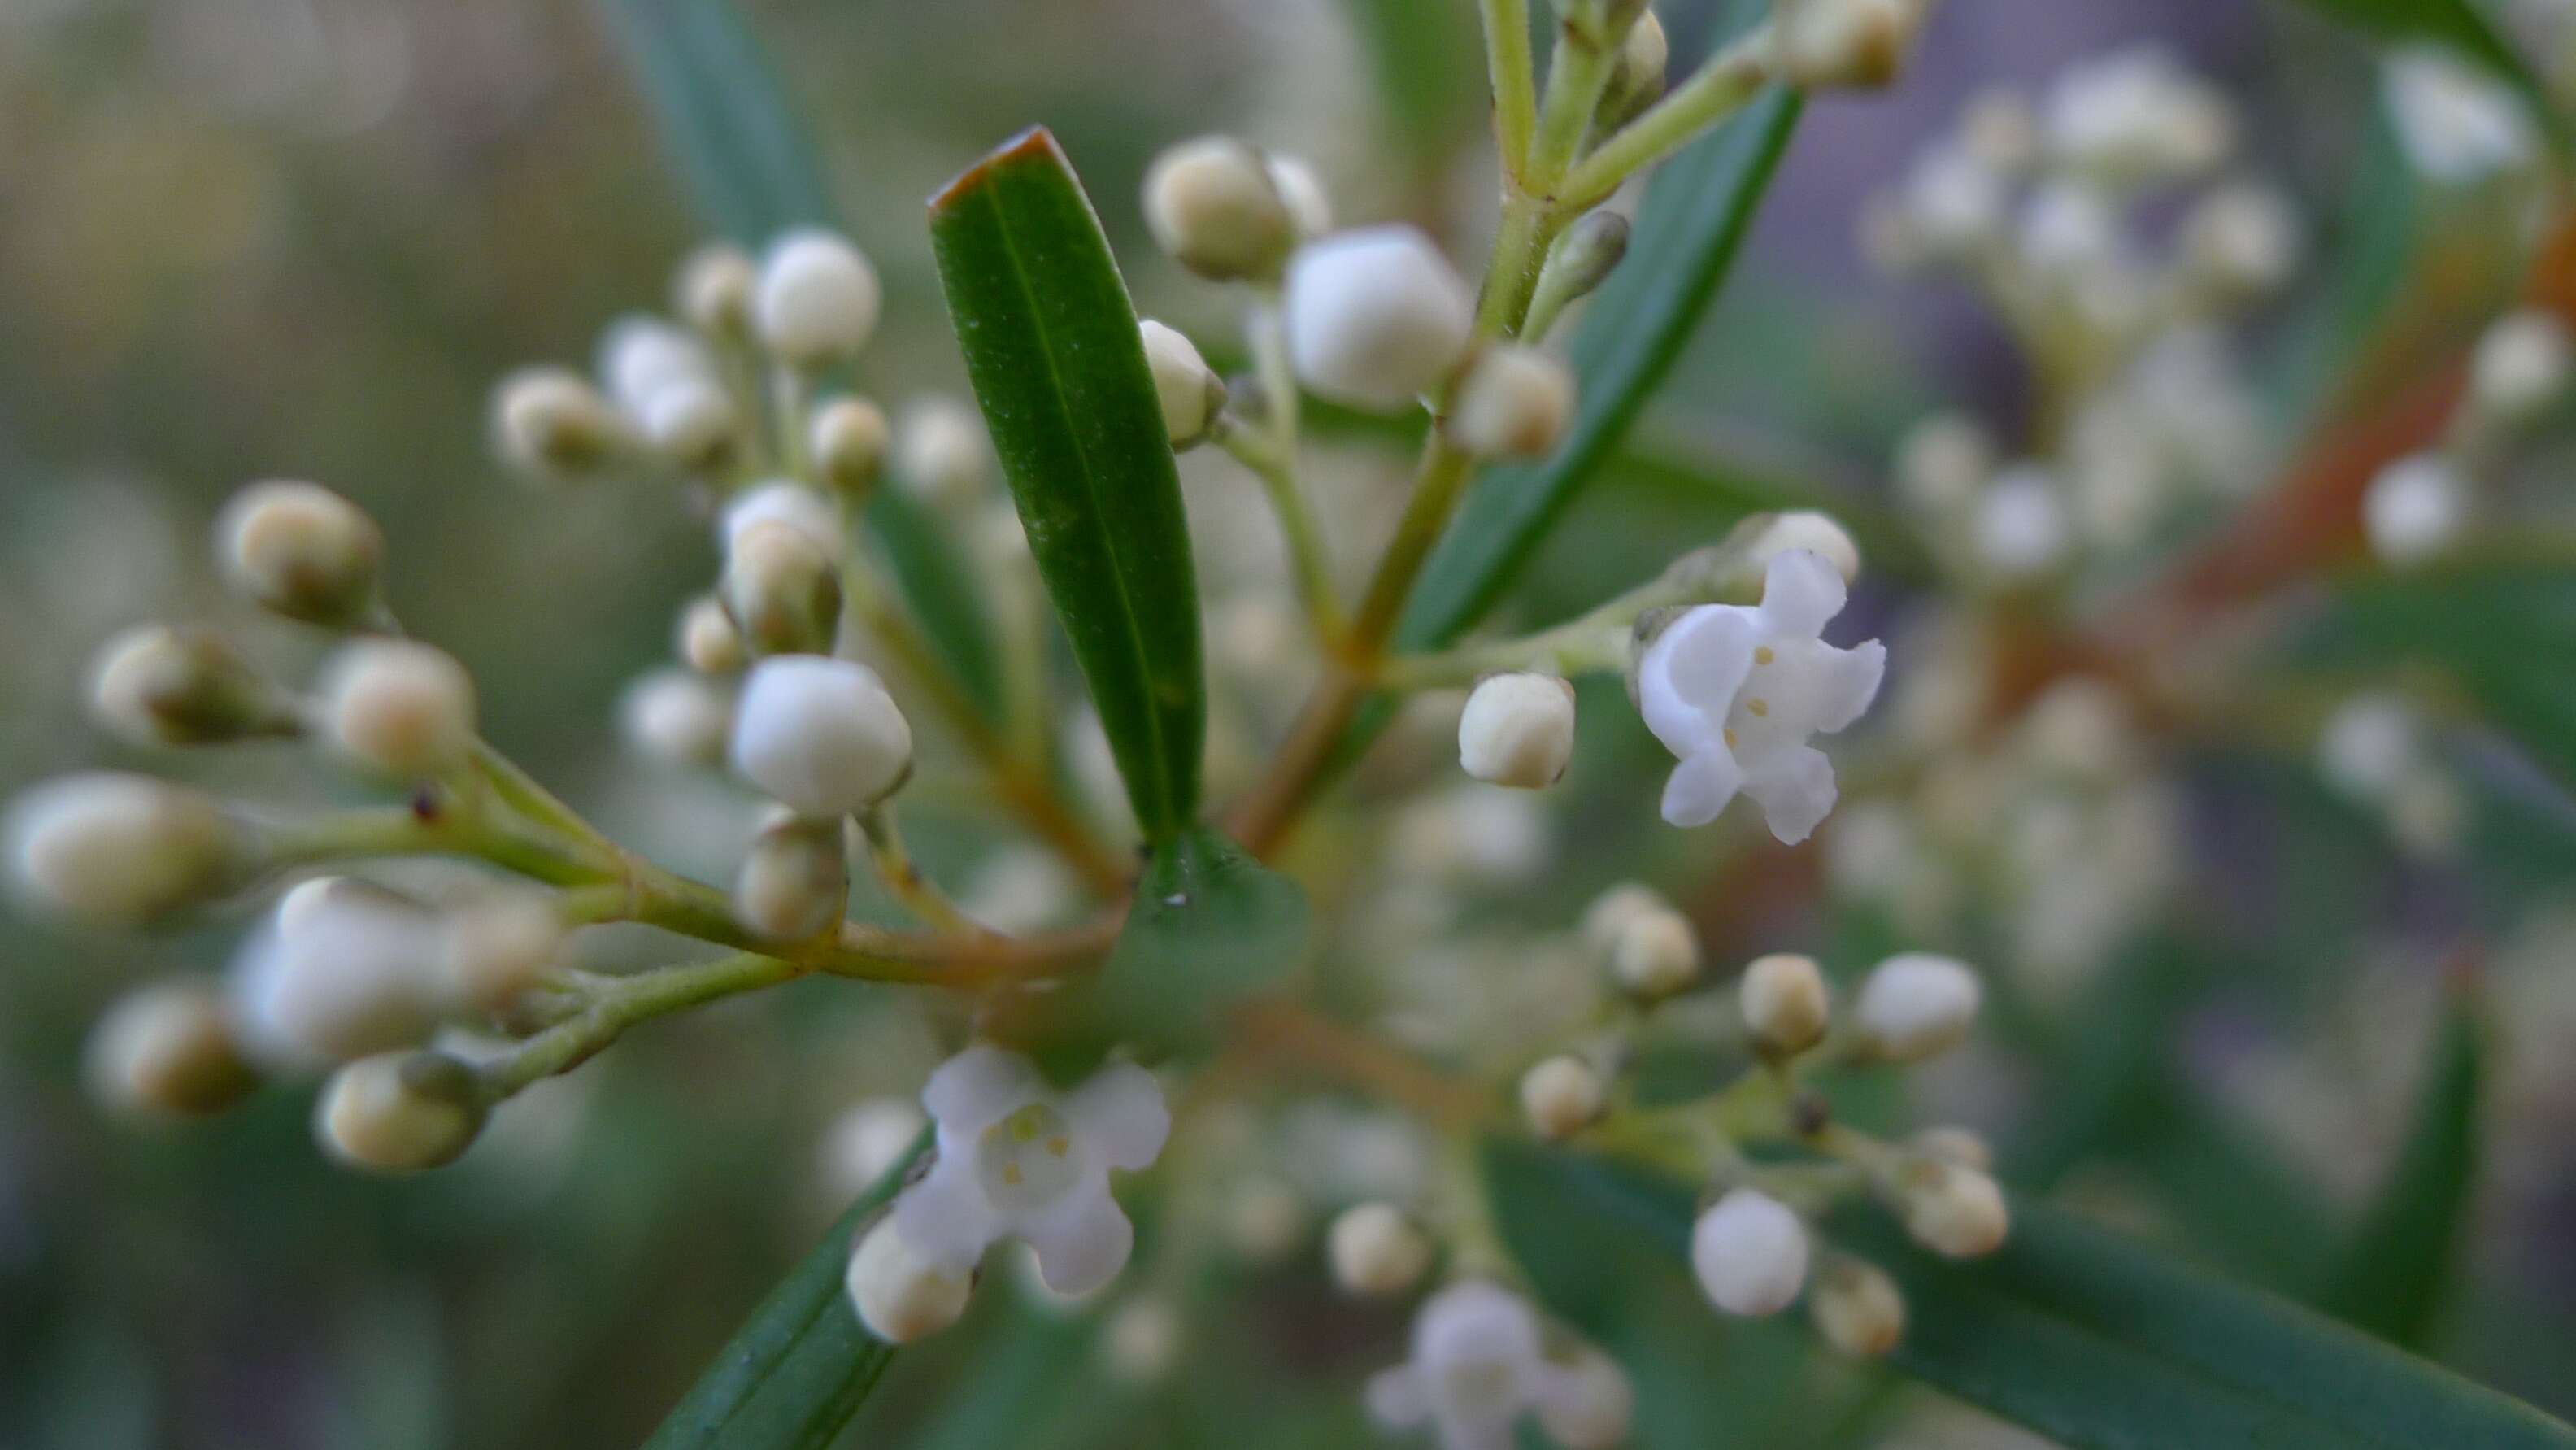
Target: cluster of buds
[2423,506]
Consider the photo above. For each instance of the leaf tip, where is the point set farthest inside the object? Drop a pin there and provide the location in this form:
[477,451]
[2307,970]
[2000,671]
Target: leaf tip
[1035,143]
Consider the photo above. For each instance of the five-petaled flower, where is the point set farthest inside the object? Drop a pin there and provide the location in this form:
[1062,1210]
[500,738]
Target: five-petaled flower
[1735,691]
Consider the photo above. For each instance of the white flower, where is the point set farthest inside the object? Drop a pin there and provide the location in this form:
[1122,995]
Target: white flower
[2137,115]
[821,735]
[1376,317]
[2069,231]
[1517,730]
[2521,367]
[1018,1159]
[1915,1004]
[1475,1370]
[1188,390]
[1750,1253]
[2457,126]
[2415,508]
[817,300]
[1736,691]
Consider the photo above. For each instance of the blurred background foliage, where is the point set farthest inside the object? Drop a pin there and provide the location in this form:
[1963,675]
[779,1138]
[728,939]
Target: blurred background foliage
[302,237]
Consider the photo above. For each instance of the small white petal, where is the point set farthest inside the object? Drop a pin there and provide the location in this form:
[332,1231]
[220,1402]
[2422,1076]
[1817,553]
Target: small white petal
[1082,1240]
[1800,592]
[1691,672]
[1120,1116]
[978,1088]
[1397,1398]
[1795,789]
[1701,786]
[945,1217]
[1845,684]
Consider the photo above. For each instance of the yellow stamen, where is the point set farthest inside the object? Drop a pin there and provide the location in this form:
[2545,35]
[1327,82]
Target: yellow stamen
[1059,1146]
[1758,708]
[1763,655]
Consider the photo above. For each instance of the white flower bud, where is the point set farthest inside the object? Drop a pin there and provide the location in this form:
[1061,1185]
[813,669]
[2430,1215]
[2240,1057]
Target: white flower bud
[1953,1211]
[1141,1341]
[550,423]
[866,1143]
[1784,1002]
[848,441]
[1265,1219]
[2021,529]
[1375,1249]
[817,299]
[2137,115]
[795,880]
[300,550]
[111,849]
[900,1296]
[1955,1145]
[713,290]
[1376,318]
[782,502]
[1610,914]
[1216,207]
[2457,123]
[167,1050]
[495,950]
[695,424]
[1951,207]
[678,717]
[162,685]
[1514,402]
[1943,462]
[1857,1308]
[1915,1004]
[1517,730]
[2415,509]
[344,969]
[1656,955]
[1817,533]
[400,1112]
[1750,1253]
[1638,78]
[1561,1096]
[1310,209]
[780,589]
[2521,367]
[708,640]
[1860,43]
[821,735]
[640,355]
[1591,1406]
[1190,392]
[2241,240]
[399,708]
[943,454]
[2371,744]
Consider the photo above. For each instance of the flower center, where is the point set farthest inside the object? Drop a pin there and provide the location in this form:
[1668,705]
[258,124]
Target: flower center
[1483,1389]
[1026,1160]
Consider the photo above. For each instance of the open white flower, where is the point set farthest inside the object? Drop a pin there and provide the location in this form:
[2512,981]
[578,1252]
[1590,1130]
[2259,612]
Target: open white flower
[1737,690]
[1476,1369]
[1018,1159]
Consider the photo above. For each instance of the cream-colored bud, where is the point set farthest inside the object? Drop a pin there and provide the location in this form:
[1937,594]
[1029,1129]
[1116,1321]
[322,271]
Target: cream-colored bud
[1637,80]
[1953,1211]
[1513,403]
[1517,730]
[1817,533]
[159,684]
[1141,1341]
[713,290]
[848,440]
[1857,43]
[2415,509]
[943,453]
[2241,240]
[1955,1145]
[781,590]
[694,423]
[1189,390]
[496,949]
[1784,1002]
[900,1296]
[1610,913]
[821,735]
[112,849]
[400,1112]
[1561,1096]
[817,300]
[1301,190]
[300,550]
[1376,318]
[1592,1406]
[399,708]
[1916,1004]
[679,717]
[1265,1219]
[1656,955]
[345,969]
[551,423]
[168,1050]
[1857,1308]
[1375,1249]
[1750,1253]
[1214,206]
[795,880]
[707,639]
[866,1143]
[2521,367]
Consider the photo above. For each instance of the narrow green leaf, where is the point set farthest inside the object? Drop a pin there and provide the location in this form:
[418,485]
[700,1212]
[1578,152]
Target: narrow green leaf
[2456,26]
[2390,1276]
[1695,215]
[2102,1344]
[1425,55]
[1052,348]
[802,1365]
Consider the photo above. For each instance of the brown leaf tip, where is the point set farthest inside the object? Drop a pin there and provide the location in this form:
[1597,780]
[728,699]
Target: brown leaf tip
[1035,143]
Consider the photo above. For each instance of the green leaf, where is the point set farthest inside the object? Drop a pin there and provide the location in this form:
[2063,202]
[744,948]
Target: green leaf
[1425,55]
[1695,215]
[2102,1344]
[802,1366]
[2456,26]
[2390,1276]
[1053,351]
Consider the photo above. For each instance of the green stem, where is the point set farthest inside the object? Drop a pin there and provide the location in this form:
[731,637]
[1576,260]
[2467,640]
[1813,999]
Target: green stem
[628,1001]
[903,876]
[1514,78]
[1725,83]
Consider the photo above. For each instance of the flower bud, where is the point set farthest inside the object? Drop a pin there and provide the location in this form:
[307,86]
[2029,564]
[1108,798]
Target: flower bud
[1609,915]
[782,502]
[1915,1004]
[1592,1406]
[1141,1341]
[707,639]
[848,441]
[1953,1211]
[1215,206]
[1310,209]
[496,949]
[111,849]
[1514,402]
[1817,533]
[943,453]
[2241,240]
[821,735]
[400,1112]
[714,288]
[1190,391]
[1942,463]
[1656,955]
[2415,509]
[866,1143]
[795,880]
[1857,43]
[1375,1249]
[1588,252]
[399,708]
[1561,1096]
[1750,1253]
[1999,131]
[2521,367]
[1637,77]
[1517,730]
[550,423]
[678,717]
[1951,1144]
[344,969]
[1376,318]
[817,300]
[300,550]
[1857,1308]
[781,590]
[167,1050]
[2021,529]
[695,424]
[1784,1002]
[640,355]
[900,1296]
[162,685]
